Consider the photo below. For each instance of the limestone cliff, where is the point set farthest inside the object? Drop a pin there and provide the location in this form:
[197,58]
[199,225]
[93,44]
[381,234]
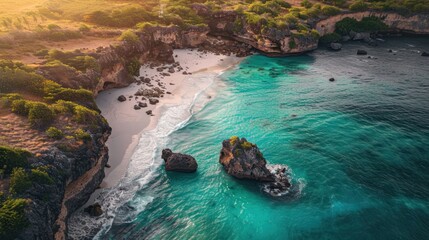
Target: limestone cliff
[416,24]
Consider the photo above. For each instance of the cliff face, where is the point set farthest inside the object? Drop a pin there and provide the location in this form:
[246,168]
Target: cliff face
[270,41]
[76,172]
[416,24]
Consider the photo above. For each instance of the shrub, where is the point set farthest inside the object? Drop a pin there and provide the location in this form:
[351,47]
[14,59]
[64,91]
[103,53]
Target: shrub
[20,107]
[54,133]
[233,140]
[367,24]
[330,10]
[330,38]
[133,67]
[129,36]
[358,6]
[40,115]
[85,115]
[80,96]
[17,79]
[292,43]
[41,53]
[7,99]
[306,4]
[40,176]
[19,181]
[12,218]
[84,28]
[80,134]
[62,106]
[11,158]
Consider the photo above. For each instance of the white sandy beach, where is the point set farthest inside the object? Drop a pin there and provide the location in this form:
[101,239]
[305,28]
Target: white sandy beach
[128,124]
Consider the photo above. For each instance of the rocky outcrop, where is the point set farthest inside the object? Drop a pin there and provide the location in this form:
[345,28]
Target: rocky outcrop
[76,171]
[243,160]
[94,210]
[270,41]
[416,24]
[178,162]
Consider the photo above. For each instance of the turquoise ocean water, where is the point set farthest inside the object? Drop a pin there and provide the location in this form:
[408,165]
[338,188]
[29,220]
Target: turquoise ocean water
[357,148]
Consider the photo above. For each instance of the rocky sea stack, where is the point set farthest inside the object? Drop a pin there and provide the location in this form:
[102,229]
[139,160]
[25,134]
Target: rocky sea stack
[178,162]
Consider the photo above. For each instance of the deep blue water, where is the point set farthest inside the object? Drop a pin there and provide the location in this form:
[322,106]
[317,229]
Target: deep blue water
[358,149]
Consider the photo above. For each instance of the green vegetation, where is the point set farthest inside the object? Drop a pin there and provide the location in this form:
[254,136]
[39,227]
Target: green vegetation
[367,24]
[233,140]
[81,134]
[129,36]
[330,38]
[54,133]
[358,6]
[11,158]
[12,217]
[19,181]
[40,176]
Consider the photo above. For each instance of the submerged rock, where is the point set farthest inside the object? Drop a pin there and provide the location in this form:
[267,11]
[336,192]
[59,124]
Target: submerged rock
[332,79]
[336,46]
[425,54]
[94,210]
[361,52]
[178,162]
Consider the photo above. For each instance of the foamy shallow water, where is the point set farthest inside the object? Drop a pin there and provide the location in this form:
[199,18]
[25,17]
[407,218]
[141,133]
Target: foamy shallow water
[356,149]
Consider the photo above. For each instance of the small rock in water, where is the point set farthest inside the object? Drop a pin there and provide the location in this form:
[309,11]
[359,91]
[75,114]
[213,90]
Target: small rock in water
[122,98]
[332,79]
[94,210]
[361,52]
[178,162]
[425,54]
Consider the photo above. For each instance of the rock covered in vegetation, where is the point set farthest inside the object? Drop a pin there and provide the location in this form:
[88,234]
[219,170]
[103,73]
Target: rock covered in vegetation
[178,162]
[243,160]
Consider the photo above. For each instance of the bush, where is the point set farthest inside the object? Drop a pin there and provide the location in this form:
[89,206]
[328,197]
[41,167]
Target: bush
[330,10]
[19,181]
[367,24]
[233,140]
[54,133]
[11,158]
[133,67]
[129,36]
[330,38]
[85,115]
[40,176]
[12,218]
[306,4]
[17,79]
[7,99]
[80,134]
[358,6]
[20,107]
[84,28]
[40,115]
[80,96]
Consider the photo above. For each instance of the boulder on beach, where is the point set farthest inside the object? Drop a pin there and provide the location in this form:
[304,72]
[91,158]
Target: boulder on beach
[178,162]
[94,210]
[122,98]
[336,46]
[153,101]
[361,52]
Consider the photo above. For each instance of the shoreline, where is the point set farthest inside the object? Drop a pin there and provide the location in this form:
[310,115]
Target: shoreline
[128,124]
